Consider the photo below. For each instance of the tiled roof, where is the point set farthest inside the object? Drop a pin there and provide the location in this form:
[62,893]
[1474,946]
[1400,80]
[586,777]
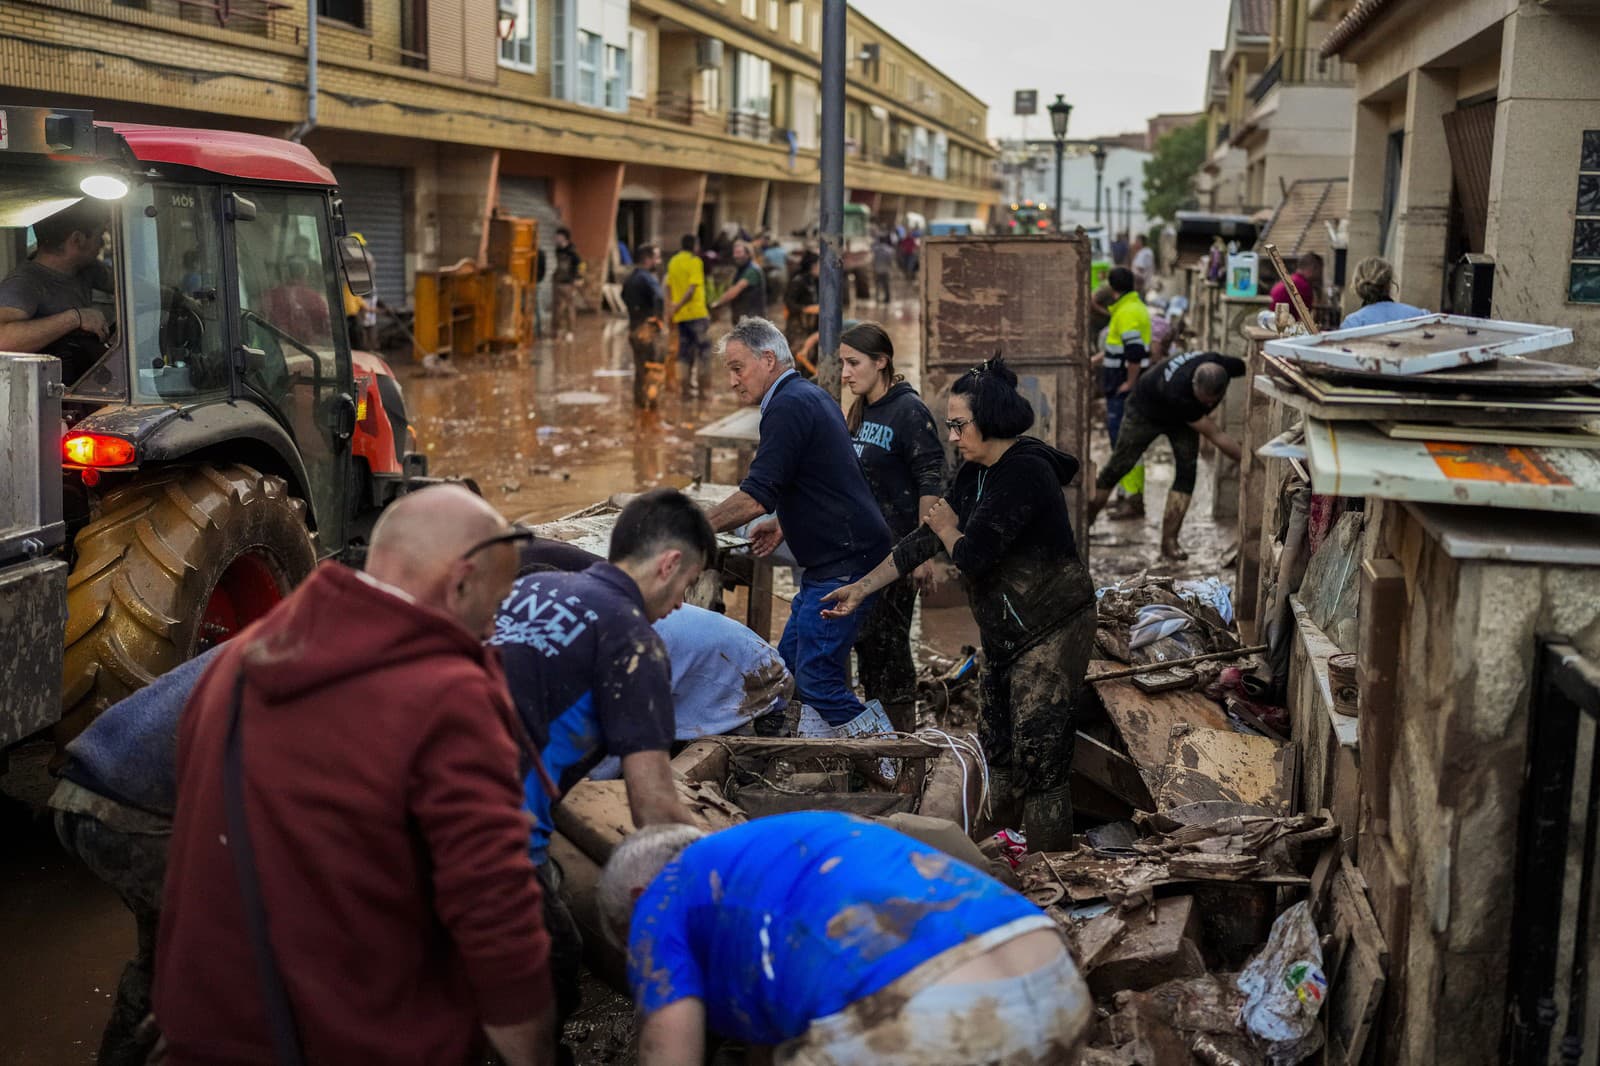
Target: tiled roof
[1255,18]
[1353,25]
[1297,225]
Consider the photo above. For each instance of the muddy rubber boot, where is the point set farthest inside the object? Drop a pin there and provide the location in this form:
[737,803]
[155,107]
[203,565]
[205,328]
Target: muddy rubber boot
[1127,507]
[1047,820]
[903,716]
[1171,522]
[1005,805]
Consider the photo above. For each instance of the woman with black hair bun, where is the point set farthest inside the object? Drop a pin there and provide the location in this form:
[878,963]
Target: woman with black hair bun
[1004,523]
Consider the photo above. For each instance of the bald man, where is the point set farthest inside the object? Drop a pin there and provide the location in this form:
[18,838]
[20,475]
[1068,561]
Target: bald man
[349,780]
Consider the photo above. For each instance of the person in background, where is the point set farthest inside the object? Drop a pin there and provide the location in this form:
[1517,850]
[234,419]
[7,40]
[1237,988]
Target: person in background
[590,678]
[1005,524]
[903,458]
[1126,356]
[1307,278]
[748,293]
[883,268]
[1119,249]
[1174,400]
[1143,264]
[1373,284]
[806,470]
[800,301]
[832,940]
[356,790]
[569,270]
[908,253]
[642,295]
[686,307]
[297,307]
[51,295]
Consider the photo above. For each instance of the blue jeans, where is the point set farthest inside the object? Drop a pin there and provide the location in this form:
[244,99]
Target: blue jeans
[817,651]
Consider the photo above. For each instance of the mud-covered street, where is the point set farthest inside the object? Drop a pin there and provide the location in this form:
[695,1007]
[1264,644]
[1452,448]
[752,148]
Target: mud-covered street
[543,433]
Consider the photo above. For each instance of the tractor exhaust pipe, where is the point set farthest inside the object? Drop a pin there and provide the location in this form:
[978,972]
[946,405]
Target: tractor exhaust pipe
[310,123]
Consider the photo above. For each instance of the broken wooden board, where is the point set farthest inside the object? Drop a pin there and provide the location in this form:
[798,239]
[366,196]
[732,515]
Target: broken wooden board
[1093,940]
[1165,680]
[1112,771]
[1145,720]
[1356,961]
[1152,951]
[595,816]
[1218,764]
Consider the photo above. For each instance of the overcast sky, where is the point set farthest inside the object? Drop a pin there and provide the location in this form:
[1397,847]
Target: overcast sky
[1117,61]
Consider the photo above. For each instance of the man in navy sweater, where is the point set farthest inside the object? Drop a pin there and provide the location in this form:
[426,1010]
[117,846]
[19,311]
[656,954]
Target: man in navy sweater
[806,470]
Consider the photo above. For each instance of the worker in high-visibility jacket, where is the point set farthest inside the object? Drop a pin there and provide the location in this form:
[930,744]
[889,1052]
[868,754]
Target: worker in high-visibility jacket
[1126,355]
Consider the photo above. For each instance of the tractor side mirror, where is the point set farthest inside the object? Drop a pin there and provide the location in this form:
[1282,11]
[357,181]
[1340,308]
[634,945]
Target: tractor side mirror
[239,209]
[357,265]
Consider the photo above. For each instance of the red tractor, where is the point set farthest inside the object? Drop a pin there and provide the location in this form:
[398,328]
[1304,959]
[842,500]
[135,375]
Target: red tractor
[223,436]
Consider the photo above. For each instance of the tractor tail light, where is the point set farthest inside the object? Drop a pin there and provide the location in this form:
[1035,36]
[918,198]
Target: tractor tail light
[96,449]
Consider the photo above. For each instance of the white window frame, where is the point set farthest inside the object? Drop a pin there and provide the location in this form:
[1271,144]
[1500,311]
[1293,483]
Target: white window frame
[525,32]
[590,64]
[711,90]
[638,62]
[614,87]
[797,21]
[774,17]
[816,31]
[750,9]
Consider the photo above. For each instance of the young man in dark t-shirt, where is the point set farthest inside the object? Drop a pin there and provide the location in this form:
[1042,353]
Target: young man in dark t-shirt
[645,300]
[1173,399]
[591,678]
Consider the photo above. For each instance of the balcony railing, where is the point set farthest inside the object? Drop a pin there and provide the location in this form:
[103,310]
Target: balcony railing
[1300,66]
[685,109]
[751,127]
[255,17]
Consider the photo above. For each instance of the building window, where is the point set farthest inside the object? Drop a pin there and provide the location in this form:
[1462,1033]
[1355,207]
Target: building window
[816,31]
[710,98]
[773,17]
[797,21]
[517,50]
[352,11]
[616,78]
[588,88]
[748,8]
[638,63]
[1583,283]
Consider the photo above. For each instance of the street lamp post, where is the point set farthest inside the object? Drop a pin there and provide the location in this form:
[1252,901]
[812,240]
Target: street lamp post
[1060,111]
[1099,176]
[1122,196]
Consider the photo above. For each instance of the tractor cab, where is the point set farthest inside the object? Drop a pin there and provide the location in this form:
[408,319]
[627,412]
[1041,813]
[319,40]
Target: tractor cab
[220,277]
[219,434]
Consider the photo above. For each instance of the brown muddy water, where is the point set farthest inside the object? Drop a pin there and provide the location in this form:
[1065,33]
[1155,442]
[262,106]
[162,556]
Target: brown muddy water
[543,433]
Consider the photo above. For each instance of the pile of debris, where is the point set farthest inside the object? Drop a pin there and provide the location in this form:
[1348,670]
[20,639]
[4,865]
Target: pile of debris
[1217,932]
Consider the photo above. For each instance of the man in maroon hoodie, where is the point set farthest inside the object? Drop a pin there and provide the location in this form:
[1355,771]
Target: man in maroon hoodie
[380,778]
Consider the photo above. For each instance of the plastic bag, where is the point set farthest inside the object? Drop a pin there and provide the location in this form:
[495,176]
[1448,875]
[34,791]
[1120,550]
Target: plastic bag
[1209,591]
[1155,621]
[1284,987]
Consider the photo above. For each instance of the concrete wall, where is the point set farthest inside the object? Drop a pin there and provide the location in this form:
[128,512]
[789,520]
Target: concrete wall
[1308,136]
[1462,703]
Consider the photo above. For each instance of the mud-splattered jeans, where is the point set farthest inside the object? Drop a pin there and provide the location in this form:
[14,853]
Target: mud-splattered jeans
[133,864]
[1027,725]
[1032,1020]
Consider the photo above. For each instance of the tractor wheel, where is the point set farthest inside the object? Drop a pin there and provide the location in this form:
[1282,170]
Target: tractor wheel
[174,564]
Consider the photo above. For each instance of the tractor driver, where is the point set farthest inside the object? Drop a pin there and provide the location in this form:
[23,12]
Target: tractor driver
[50,296]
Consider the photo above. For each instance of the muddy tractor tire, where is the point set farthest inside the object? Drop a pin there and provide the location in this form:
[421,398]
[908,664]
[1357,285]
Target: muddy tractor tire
[176,562]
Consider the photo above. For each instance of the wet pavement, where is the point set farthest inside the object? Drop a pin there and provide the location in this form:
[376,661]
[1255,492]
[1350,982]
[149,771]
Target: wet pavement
[543,433]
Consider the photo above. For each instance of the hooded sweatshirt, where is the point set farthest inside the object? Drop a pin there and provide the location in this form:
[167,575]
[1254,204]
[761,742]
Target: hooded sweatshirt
[381,786]
[1017,555]
[900,453]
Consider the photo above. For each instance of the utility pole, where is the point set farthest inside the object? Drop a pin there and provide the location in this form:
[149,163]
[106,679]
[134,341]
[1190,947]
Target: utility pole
[831,290]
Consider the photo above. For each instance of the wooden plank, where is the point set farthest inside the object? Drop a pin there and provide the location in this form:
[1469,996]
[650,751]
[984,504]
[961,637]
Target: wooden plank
[1398,407]
[1218,764]
[828,748]
[595,816]
[759,615]
[1356,962]
[702,760]
[1112,771]
[1381,618]
[1551,438]
[1145,721]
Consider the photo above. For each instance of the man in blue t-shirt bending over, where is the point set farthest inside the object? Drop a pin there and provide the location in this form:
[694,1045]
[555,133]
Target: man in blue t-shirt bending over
[834,940]
[806,470]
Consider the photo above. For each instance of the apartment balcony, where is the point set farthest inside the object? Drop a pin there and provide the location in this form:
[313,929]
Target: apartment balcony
[750,126]
[258,18]
[1301,66]
[685,109]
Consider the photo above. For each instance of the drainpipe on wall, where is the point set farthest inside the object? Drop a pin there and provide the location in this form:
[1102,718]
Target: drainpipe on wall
[310,122]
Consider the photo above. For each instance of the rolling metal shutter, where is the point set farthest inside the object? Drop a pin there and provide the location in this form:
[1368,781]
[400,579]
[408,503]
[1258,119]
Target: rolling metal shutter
[1469,136]
[530,198]
[374,206]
